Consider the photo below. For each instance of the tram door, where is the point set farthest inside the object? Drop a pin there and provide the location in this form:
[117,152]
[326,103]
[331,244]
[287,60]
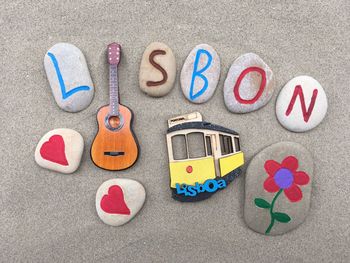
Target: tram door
[211,141]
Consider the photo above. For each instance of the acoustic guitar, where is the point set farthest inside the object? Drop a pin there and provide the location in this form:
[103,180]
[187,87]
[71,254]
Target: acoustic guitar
[115,146]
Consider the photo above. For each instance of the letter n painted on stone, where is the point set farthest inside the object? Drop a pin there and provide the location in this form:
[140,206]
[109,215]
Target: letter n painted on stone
[298,91]
[199,73]
[261,88]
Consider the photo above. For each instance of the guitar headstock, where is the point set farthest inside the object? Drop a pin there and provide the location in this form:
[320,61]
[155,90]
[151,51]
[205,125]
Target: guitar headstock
[114,52]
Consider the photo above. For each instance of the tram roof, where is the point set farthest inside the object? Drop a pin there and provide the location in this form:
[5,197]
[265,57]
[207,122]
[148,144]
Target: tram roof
[201,125]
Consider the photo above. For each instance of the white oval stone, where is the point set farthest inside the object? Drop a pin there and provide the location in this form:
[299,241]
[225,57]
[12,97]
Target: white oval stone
[249,85]
[69,77]
[119,200]
[157,82]
[302,104]
[200,74]
[60,150]
[278,188]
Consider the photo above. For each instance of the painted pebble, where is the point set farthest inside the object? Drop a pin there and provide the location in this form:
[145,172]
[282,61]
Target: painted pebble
[278,188]
[301,104]
[200,74]
[60,150]
[119,200]
[69,77]
[157,70]
[249,84]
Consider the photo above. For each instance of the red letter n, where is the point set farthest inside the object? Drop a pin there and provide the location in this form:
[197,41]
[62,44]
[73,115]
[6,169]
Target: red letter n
[298,91]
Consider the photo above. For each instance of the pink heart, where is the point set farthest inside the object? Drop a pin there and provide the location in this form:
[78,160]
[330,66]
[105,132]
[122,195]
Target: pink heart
[113,202]
[54,150]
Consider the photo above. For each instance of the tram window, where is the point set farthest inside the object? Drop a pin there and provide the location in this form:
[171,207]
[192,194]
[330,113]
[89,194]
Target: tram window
[179,147]
[208,142]
[196,147]
[237,146]
[226,144]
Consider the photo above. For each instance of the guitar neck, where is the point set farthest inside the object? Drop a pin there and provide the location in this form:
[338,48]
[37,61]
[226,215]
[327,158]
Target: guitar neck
[113,90]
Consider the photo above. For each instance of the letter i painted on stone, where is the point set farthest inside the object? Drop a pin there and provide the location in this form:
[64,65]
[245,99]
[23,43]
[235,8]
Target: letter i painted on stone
[199,73]
[65,93]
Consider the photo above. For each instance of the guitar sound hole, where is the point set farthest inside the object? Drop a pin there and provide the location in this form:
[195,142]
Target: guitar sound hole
[114,121]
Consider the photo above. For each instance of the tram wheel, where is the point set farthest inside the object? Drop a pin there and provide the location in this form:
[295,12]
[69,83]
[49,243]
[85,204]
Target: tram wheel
[230,177]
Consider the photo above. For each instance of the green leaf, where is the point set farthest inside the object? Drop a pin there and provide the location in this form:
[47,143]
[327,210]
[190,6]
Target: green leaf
[281,217]
[259,202]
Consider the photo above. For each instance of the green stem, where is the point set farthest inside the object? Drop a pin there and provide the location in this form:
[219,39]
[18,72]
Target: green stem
[271,212]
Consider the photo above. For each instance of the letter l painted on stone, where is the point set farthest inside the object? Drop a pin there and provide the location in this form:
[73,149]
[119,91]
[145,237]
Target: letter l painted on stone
[65,93]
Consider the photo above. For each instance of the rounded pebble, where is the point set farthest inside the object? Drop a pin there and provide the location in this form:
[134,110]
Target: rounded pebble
[301,104]
[119,200]
[69,77]
[157,70]
[60,150]
[278,188]
[249,84]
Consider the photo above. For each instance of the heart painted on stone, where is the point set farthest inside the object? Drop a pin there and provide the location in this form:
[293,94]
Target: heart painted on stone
[54,150]
[113,202]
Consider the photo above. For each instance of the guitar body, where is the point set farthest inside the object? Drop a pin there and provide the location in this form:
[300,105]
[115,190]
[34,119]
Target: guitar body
[114,150]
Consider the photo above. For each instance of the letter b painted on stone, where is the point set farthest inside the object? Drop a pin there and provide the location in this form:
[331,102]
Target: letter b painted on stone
[199,73]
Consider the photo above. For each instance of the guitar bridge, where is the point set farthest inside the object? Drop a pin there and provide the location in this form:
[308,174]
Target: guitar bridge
[113,153]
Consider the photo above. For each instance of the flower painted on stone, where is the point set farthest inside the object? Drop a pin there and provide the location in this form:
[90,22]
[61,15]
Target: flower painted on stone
[282,177]
[286,177]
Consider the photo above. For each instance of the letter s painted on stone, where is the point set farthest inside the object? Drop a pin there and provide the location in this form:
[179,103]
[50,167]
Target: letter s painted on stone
[157,66]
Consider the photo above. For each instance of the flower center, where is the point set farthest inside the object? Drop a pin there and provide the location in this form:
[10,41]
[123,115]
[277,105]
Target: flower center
[284,178]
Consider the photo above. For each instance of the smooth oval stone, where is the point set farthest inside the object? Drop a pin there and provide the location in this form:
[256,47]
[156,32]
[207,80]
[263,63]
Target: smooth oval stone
[119,200]
[278,188]
[157,70]
[69,77]
[301,104]
[60,150]
[249,84]
[200,74]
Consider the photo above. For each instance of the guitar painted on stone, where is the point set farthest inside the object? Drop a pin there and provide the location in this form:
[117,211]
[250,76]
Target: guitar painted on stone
[115,146]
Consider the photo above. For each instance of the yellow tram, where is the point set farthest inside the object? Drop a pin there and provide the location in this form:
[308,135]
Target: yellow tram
[200,152]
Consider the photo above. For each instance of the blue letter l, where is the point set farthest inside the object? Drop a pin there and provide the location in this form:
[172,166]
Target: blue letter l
[65,93]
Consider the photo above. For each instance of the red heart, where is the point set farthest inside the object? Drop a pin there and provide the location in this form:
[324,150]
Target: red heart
[114,202]
[53,150]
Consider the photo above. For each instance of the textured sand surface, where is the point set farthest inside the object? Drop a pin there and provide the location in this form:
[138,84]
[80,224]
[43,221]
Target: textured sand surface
[47,217]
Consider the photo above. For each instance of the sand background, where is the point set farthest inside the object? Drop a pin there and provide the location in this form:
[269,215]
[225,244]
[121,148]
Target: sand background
[47,216]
